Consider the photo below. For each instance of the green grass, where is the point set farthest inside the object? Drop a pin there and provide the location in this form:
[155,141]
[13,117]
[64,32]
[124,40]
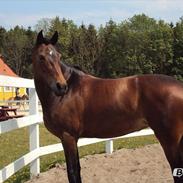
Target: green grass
[16,143]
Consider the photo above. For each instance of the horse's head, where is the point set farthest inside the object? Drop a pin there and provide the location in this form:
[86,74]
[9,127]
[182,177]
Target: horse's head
[46,64]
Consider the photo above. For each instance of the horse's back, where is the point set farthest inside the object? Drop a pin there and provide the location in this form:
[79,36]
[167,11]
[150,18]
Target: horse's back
[160,86]
[162,102]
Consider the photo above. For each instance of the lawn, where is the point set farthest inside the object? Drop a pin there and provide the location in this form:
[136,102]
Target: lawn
[15,144]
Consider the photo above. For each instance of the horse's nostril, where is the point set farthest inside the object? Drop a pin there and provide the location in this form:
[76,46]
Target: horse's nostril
[66,88]
[59,86]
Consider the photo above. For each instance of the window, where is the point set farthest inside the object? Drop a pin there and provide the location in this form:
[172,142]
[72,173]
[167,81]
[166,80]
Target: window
[9,89]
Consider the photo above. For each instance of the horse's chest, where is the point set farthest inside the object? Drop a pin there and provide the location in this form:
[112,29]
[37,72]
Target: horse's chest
[60,121]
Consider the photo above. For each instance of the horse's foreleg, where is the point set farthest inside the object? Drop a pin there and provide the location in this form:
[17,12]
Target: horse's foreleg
[72,158]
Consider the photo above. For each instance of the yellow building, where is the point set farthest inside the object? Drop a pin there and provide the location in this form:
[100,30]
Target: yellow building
[8,93]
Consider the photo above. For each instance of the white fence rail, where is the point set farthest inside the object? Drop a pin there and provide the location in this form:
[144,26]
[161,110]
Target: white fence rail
[32,121]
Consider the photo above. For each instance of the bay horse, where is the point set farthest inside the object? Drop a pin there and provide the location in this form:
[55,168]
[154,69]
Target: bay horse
[76,104]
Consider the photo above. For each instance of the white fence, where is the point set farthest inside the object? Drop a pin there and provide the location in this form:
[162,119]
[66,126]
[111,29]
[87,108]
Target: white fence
[32,121]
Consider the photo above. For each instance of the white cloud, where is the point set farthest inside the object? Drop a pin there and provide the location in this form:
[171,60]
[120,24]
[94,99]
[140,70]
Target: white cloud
[164,5]
[168,10]
[9,21]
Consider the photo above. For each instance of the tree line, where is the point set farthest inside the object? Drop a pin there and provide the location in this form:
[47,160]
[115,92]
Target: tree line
[138,45]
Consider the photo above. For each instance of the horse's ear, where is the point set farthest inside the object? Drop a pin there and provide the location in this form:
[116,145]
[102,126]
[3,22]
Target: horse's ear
[40,38]
[54,38]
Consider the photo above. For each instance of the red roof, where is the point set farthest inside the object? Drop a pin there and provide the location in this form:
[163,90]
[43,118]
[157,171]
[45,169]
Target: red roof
[5,69]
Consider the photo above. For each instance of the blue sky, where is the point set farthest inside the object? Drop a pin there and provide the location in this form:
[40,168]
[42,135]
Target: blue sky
[28,12]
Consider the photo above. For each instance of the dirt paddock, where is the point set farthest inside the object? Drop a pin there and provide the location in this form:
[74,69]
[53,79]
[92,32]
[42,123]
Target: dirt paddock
[142,165]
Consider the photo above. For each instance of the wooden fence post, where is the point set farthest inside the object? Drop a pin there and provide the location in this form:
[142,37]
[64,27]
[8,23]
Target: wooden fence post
[34,131]
[109,146]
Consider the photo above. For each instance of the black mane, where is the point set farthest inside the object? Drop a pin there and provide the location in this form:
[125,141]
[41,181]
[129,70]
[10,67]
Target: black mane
[69,70]
[77,67]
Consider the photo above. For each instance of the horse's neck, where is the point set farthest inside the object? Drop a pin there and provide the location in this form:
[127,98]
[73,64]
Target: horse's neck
[45,94]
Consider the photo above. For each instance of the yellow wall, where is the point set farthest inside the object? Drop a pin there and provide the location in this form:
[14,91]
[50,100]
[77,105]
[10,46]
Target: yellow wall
[6,95]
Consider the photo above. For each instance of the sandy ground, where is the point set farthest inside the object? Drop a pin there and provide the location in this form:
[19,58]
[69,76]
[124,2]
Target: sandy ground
[142,165]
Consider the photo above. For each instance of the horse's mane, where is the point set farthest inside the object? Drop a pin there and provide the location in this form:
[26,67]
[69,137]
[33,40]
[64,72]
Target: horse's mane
[77,67]
[73,68]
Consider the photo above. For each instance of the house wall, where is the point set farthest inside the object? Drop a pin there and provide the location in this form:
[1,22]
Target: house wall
[7,93]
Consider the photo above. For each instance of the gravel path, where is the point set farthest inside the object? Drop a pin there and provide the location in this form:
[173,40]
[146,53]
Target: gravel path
[142,165]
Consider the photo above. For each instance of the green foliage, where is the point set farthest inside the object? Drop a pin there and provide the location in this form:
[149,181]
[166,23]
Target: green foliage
[138,45]
[17,50]
[43,24]
[178,50]
[84,48]
[2,39]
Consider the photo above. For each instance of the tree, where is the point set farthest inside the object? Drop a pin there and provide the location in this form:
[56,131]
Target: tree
[178,50]
[149,45]
[161,48]
[27,63]
[14,49]
[2,39]
[84,48]
[139,45]
[43,24]
[65,29]
[109,54]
